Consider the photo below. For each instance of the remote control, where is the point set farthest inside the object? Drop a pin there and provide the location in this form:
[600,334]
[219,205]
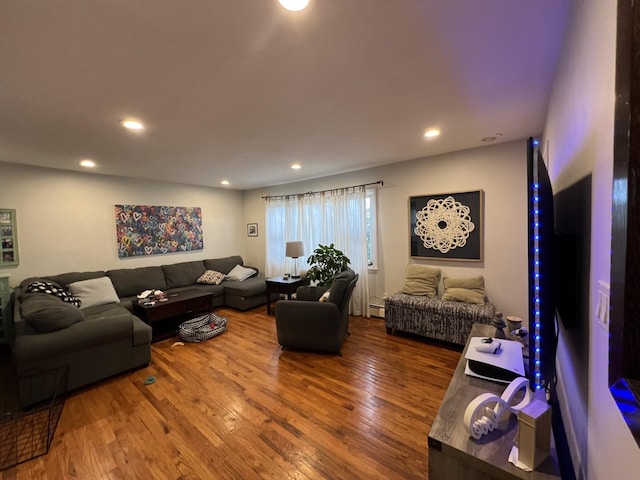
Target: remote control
[488,345]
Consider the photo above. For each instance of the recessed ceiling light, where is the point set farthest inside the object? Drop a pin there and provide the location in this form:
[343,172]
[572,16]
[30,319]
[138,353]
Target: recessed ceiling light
[224,182]
[433,132]
[296,166]
[131,124]
[492,138]
[87,163]
[294,5]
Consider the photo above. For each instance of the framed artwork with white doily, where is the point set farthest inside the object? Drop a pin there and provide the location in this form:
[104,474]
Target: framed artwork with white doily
[447,226]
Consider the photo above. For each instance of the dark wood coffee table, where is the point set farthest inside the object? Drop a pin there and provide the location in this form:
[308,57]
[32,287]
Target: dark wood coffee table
[288,286]
[164,317]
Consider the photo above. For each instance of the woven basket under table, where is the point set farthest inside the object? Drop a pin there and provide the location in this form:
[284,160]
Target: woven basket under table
[202,328]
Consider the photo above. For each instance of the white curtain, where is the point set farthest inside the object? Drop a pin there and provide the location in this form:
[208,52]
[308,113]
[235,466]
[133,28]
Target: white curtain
[334,216]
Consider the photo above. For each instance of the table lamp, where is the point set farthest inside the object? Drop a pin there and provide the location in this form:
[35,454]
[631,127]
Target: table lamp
[294,250]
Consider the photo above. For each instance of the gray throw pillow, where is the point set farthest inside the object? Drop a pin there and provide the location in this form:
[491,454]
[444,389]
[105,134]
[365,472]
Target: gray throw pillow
[339,287]
[467,290]
[96,291]
[46,313]
[421,280]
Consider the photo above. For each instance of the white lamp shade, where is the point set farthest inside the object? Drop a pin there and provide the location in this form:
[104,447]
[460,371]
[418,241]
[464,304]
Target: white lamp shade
[294,249]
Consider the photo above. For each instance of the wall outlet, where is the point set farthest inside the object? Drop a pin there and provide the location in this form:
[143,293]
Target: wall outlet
[602,305]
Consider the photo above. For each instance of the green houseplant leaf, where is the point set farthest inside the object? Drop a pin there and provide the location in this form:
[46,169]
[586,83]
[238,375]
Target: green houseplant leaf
[326,262]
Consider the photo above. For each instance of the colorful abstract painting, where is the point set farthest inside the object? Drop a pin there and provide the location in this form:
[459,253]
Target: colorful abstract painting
[148,230]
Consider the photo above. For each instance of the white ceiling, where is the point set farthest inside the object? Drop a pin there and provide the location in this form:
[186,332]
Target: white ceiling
[241,89]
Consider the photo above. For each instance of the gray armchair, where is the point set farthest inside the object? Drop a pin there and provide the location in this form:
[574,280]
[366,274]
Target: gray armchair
[308,324]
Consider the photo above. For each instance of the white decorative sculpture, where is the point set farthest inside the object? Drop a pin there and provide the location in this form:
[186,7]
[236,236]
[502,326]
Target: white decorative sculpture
[486,411]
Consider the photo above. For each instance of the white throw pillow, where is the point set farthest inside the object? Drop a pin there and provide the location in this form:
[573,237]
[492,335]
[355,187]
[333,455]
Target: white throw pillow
[96,291]
[325,296]
[240,273]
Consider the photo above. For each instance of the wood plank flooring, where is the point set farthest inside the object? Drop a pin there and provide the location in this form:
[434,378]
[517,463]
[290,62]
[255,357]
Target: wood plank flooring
[237,407]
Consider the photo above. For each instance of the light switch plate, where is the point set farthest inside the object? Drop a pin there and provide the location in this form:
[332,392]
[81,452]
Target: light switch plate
[602,306]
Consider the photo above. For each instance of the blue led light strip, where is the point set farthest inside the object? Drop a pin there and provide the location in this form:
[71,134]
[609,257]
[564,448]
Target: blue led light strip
[536,286]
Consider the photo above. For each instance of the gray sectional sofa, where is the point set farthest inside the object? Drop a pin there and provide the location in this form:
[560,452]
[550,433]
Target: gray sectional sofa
[99,341]
[244,295]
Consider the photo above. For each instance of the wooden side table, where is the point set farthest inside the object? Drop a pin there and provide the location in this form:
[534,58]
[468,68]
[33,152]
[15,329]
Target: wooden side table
[287,286]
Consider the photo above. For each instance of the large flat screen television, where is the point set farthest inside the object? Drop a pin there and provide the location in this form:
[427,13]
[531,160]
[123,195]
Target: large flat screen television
[541,243]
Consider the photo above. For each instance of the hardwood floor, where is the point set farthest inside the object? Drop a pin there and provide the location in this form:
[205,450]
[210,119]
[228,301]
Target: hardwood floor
[237,407]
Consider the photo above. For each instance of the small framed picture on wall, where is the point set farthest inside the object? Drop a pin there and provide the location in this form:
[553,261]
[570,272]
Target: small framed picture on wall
[8,238]
[252,229]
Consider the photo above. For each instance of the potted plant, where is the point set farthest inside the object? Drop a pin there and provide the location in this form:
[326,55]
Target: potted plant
[326,262]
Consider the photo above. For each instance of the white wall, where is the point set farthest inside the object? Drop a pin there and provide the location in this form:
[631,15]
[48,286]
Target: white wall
[499,170]
[66,220]
[578,138]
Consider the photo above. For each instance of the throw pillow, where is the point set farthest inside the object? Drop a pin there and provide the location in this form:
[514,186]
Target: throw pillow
[339,287]
[46,313]
[467,290]
[240,273]
[325,296]
[421,280]
[96,291]
[52,289]
[211,277]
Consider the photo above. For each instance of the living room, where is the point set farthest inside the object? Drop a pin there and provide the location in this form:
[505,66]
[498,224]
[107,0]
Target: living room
[65,220]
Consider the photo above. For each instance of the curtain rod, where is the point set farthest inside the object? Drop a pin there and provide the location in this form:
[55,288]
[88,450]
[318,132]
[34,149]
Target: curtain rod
[379,182]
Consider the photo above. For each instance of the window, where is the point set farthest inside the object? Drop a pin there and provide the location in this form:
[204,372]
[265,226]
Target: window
[372,228]
[336,216]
